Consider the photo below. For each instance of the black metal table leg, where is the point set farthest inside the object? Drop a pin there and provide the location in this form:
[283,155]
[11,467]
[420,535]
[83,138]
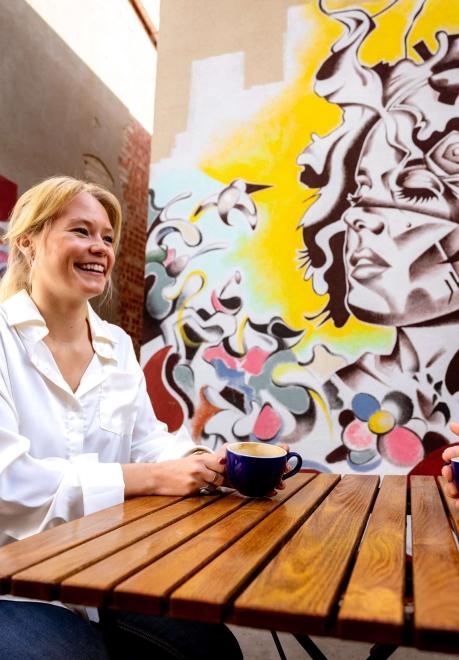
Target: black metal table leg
[311,649]
[278,644]
[381,651]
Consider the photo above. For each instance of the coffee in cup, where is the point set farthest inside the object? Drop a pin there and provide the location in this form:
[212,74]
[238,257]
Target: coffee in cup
[255,469]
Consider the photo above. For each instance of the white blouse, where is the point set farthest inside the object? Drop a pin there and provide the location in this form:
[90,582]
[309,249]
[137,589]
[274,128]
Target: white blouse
[61,451]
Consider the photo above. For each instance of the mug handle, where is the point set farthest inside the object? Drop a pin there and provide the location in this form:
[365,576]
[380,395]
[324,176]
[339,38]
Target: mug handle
[294,470]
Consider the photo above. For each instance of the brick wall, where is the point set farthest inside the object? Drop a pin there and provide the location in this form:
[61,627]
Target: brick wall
[134,165]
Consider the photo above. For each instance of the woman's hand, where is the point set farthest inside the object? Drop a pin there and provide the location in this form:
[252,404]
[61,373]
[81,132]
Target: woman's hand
[447,471]
[181,476]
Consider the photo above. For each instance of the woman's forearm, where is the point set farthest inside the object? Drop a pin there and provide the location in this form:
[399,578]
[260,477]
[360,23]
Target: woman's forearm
[138,479]
[181,476]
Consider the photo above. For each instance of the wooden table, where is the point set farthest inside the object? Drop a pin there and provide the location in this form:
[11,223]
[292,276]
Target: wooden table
[327,556]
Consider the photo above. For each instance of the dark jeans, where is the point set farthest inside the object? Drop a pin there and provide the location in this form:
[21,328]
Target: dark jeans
[38,631]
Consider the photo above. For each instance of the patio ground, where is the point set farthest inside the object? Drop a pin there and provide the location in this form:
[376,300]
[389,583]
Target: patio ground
[259,645]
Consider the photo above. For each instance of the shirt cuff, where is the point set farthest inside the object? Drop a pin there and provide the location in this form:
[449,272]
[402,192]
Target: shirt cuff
[102,484]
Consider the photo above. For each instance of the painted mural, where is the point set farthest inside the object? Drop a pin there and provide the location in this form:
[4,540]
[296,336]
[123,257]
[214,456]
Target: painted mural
[302,266]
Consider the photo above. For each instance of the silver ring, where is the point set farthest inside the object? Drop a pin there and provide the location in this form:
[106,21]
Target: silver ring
[210,486]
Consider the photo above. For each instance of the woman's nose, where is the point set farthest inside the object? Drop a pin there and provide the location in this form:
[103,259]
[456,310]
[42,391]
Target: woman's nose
[358,219]
[98,245]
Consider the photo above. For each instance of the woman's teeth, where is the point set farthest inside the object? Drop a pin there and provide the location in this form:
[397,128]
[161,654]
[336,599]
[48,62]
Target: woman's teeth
[97,268]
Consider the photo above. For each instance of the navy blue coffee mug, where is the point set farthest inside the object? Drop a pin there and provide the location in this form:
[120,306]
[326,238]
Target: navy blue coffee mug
[255,469]
[455,469]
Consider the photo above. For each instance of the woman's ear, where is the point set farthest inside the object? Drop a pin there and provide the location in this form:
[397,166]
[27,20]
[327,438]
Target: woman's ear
[26,245]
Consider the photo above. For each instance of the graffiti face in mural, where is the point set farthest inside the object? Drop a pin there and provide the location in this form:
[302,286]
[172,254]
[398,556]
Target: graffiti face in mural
[401,238]
[388,177]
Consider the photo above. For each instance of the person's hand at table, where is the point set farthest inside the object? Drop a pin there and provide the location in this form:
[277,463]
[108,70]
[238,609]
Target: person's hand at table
[447,471]
[181,476]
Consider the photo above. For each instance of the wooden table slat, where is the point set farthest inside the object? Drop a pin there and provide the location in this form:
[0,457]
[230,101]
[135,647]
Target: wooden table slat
[92,585]
[146,590]
[453,511]
[206,595]
[17,556]
[41,580]
[373,608]
[299,588]
[435,569]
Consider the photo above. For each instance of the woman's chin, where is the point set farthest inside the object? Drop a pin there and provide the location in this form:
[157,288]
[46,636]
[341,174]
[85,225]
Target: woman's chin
[91,285]
[86,292]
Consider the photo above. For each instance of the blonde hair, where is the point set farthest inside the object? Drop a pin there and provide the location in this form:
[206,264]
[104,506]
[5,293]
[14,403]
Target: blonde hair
[33,213]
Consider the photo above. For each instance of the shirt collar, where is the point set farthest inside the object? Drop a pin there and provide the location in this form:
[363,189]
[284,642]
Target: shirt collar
[22,313]
[103,340]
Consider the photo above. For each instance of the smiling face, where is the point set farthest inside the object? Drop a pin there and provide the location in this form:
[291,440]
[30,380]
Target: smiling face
[74,258]
[402,244]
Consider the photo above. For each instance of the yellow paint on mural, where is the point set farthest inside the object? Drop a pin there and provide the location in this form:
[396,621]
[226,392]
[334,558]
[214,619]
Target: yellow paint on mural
[355,335]
[265,149]
[289,295]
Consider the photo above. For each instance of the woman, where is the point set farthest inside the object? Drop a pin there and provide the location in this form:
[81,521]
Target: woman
[77,430]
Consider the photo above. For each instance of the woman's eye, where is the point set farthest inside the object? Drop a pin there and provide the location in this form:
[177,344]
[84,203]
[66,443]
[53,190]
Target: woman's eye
[418,185]
[81,230]
[108,239]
